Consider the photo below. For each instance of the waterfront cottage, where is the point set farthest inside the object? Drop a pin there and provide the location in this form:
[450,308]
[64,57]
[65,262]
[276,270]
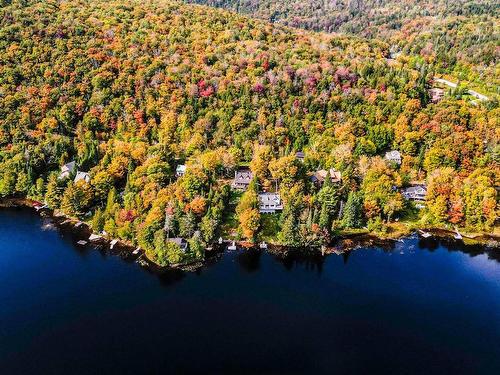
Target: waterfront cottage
[393,156]
[82,176]
[415,193]
[180,170]
[270,202]
[242,179]
[67,169]
[319,176]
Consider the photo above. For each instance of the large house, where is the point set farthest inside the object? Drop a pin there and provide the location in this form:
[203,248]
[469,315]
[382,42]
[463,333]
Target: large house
[320,176]
[82,176]
[270,203]
[393,156]
[67,169]
[415,193]
[242,179]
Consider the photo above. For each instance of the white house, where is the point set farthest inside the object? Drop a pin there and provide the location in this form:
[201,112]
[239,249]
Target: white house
[67,169]
[270,202]
[180,170]
[82,176]
[415,193]
[393,156]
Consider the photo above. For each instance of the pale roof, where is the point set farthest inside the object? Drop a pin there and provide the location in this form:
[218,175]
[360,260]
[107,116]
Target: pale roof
[82,176]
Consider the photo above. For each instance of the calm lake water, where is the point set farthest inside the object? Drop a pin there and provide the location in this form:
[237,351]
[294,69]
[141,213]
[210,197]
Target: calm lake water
[423,307]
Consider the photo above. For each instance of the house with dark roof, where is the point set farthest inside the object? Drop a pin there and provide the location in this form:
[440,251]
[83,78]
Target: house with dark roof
[270,202]
[320,176]
[300,156]
[415,193]
[242,179]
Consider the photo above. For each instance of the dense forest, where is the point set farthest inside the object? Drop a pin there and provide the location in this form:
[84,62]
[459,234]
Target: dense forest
[131,90]
[460,37]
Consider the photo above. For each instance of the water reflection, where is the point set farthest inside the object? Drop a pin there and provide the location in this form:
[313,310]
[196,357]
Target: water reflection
[249,260]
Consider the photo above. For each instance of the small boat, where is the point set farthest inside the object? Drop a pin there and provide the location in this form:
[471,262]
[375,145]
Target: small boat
[220,240]
[424,234]
[82,242]
[263,245]
[94,237]
[112,244]
[136,251]
[232,246]
[38,207]
[457,235]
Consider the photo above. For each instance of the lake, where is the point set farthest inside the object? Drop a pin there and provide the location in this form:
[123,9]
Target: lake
[425,306]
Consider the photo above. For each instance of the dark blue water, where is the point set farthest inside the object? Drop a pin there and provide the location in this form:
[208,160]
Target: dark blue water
[420,308]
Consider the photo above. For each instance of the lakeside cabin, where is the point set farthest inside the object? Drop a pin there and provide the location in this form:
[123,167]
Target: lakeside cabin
[242,179]
[319,176]
[393,156]
[82,176]
[181,242]
[67,169]
[180,170]
[269,203]
[415,193]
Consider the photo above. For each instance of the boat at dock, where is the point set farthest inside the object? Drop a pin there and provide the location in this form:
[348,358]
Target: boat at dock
[232,246]
[94,237]
[424,234]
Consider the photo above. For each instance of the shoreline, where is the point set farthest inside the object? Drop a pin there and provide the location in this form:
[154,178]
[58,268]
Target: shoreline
[346,242]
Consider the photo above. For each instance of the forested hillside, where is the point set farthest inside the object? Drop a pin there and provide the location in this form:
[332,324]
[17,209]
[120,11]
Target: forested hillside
[130,90]
[459,37]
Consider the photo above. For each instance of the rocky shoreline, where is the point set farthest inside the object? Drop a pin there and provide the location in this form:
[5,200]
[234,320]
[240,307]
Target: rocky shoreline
[129,252]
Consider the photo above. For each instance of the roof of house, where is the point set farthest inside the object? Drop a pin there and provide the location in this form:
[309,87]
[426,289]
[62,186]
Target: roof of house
[243,176]
[181,168]
[320,175]
[270,199]
[300,155]
[179,241]
[82,176]
[68,167]
[418,189]
[393,155]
